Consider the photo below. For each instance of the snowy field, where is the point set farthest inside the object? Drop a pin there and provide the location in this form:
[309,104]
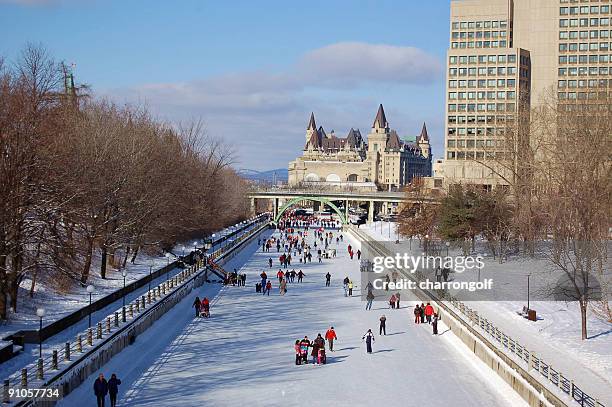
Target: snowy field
[244,354]
[556,334]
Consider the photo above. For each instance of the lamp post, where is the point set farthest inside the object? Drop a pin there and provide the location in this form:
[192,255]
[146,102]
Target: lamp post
[447,246]
[183,248]
[90,289]
[478,266]
[426,239]
[213,240]
[41,313]
[528,275]
[150,270]
[124,274]
[167,271]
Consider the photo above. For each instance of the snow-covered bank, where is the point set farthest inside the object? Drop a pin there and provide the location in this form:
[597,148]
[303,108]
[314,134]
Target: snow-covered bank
[555,336]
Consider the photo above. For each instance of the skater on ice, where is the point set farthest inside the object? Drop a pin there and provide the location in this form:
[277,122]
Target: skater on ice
[369,338]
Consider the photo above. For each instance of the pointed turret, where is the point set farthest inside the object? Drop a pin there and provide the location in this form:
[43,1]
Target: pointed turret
[311,124]
[380,121]
[423,143]
[424,137]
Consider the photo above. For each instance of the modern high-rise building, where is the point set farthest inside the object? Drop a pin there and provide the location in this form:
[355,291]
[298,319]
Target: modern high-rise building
[507,56]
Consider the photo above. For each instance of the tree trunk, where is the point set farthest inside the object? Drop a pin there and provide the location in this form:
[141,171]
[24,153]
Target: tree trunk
[104,260]
[583,317]
[135,254]
[127,254]
[87,265]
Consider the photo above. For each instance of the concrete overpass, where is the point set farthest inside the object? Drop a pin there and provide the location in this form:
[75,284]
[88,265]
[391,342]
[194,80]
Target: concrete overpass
[284,198]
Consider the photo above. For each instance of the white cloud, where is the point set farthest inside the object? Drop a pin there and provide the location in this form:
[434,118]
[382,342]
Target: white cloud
[257,110]
[357,62]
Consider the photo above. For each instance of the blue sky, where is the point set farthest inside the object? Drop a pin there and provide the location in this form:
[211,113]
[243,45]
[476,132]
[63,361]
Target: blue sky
[251,70]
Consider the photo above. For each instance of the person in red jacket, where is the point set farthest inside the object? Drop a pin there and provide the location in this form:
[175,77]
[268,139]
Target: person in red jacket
[330,335]
[280,275]
[268,288]
[429,311]
[205,308]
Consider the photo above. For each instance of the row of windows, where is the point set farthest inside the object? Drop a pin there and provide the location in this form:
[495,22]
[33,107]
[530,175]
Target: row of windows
[584,59]
[488,119]
[584,22]
[481,59]
[583,83]
[479,44]
[584,35]
[481,107]
[456,25]
[487,35]
[491,71]
[585,46]
[471,155]
[582,95]
[584,10]
[583,70]
[475,132]
[584,1]
[474,143]
[510,95]
[482,83]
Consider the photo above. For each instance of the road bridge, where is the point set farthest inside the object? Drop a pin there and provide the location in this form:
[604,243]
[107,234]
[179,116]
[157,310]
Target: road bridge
[283,199]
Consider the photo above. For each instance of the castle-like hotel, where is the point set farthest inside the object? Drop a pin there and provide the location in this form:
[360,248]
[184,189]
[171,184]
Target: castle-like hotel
[384,162]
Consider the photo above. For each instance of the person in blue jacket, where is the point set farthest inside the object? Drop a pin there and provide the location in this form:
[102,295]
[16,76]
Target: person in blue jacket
[100,389]
[113,389]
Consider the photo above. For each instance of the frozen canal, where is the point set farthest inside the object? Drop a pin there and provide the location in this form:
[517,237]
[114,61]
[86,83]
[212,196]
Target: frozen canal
[244,354]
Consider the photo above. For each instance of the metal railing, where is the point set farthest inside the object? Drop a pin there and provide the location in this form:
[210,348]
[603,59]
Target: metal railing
[508,345]
[48,369]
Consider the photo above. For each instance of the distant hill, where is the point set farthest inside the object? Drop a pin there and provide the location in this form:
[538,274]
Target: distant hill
[279,174]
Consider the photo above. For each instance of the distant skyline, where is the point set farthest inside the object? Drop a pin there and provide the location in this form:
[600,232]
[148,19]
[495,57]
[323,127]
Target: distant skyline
[252,71]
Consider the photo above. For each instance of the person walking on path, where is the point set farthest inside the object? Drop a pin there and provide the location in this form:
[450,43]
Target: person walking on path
[100,389]
[358,254]
[345,285]
[270,262]
[319,342]
[327,279]
[267,288]
[370,299]
[369,338]
[350,288]
[283,287]
[264,278]
[422,313]
[304,345]
[397,300]
[383,325]
[196,304]
[392,301]
[113,389]
[205,308]
[298,352]
[417,314]
[300,275]
[429,311]
[280,275]
[330,335]
[434,324]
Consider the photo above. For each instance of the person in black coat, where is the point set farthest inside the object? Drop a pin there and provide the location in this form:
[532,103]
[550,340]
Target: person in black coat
[100,389]
[196,304]
[113,389]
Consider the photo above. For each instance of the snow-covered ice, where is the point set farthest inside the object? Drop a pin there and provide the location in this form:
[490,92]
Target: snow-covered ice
[243,354]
